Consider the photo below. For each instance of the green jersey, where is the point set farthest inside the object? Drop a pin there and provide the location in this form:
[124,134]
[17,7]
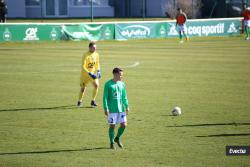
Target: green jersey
[115,97]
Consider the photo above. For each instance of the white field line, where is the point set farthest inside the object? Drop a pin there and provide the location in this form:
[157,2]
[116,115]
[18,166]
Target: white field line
[137,63]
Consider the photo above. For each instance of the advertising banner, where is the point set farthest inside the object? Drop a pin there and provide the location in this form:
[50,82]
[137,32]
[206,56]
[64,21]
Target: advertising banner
[124,31]
[92,32]
[118,31]
[208,28]
[30,32]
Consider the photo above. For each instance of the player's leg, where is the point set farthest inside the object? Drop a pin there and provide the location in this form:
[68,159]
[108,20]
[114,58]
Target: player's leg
[248,32]
[94,93]
[83,84]
[185,35]
[112,119]
[122,119]
[119,134]
[81,94]
[112,135]
[179,31]
[180,36]
[185,32]
[246,27]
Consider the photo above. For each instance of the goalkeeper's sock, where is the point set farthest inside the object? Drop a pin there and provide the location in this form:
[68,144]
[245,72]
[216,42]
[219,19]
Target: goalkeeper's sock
[120,132]
[111,135]
[80,95]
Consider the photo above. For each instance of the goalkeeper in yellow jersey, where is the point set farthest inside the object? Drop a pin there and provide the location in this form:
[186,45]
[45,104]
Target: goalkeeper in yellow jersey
[90,73]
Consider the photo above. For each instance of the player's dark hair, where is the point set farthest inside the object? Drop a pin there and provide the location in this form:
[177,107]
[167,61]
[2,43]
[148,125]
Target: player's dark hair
[91,44]
[179,9]
[117,70]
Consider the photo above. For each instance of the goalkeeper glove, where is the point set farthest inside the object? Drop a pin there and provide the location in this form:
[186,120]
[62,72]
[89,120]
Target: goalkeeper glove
[98,74]
[92,75]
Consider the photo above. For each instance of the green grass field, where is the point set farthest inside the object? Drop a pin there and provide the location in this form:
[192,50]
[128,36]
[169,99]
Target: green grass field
[209,78]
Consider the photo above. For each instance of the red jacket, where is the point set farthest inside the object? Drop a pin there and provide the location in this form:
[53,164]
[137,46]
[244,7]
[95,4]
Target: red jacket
[246,14]
[181,19]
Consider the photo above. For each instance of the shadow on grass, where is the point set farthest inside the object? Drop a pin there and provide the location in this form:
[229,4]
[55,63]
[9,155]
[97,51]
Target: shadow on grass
[215,124]
[54,151]
[40,108]
[226,135]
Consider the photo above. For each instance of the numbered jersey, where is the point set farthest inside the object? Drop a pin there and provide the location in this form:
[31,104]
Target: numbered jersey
[115,97]
[90,62]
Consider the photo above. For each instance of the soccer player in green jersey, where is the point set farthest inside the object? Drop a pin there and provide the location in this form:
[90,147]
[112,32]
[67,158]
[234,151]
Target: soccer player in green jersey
[115,103]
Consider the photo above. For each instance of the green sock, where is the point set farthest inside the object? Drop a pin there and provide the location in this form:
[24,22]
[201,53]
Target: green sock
[111,135]
[120,132]
[248,32]
[180,36]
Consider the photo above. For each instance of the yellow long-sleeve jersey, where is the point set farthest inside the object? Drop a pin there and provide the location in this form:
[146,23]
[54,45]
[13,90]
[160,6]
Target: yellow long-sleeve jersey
[90,62]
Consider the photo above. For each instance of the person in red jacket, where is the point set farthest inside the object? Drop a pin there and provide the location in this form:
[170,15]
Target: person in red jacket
[246,21]
[181,19]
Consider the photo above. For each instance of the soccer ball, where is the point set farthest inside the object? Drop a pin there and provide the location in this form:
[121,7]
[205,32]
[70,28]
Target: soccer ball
[176,111]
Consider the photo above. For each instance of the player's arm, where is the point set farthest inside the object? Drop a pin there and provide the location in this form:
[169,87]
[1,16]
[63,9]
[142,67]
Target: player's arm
[125,99]
[98,67]
[185,16]
[105,99]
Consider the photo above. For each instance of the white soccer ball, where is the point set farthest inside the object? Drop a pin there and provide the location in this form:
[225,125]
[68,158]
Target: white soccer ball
[176,111]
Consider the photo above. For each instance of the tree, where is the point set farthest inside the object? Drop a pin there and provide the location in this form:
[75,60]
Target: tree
[190,7]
